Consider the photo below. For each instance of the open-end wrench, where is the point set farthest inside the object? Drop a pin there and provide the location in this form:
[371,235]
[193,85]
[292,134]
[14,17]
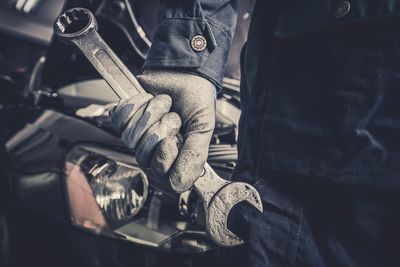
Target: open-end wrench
[79,26]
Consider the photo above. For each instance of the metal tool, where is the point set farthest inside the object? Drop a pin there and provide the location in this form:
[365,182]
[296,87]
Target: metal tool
[79,26]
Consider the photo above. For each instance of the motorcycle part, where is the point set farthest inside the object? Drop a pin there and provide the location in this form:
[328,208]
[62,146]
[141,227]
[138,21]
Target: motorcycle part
[113,191]
[79,26]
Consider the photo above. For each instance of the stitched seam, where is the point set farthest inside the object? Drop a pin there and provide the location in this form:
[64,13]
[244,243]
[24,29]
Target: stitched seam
[210,70]
[200,19]
[157,61]
[169,60]
[204,19]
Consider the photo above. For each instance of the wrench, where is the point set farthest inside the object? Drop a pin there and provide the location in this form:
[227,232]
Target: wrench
[79,27]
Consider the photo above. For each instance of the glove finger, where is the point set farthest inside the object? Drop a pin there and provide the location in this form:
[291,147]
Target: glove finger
[144,118]
[165,155]
[190,161]
[169,125]
[123,111]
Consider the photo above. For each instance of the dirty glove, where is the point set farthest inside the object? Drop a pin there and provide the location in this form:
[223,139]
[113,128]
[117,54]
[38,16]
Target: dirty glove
[150,125]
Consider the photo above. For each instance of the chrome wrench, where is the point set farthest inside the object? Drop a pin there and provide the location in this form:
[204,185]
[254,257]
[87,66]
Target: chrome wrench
[79,27]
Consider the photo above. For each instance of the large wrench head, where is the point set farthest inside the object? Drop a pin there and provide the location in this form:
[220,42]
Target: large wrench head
[75,23]
[220,206]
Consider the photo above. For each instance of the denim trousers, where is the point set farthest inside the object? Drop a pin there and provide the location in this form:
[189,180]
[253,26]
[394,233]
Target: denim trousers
[319,139]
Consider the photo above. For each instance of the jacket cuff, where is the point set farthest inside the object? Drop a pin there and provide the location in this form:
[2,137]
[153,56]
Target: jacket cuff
[172,47]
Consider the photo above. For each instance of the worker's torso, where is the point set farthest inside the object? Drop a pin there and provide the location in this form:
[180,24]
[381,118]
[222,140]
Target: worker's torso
[320,91]
[320,132]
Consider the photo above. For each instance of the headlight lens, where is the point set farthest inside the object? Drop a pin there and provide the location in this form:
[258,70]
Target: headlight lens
[102,191]
[118,189]
[106,189]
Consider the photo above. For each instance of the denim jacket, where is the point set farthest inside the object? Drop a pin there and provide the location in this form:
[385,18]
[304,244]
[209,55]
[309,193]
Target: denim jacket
[180,22]
[291,59]
[319,128]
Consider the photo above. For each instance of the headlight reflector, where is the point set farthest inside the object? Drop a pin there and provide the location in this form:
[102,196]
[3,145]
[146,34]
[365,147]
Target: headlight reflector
[103,192]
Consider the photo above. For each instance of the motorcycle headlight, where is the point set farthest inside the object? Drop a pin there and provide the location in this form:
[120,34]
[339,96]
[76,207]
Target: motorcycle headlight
[107,190]
[103,192]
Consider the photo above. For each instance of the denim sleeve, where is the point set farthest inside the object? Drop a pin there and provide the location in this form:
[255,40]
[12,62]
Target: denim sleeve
[181,20]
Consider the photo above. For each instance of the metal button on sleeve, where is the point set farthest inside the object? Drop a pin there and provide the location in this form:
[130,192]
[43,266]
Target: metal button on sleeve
[198,43]
[341,9]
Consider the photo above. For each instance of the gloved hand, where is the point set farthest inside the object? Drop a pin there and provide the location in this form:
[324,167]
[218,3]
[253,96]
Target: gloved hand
[150,125]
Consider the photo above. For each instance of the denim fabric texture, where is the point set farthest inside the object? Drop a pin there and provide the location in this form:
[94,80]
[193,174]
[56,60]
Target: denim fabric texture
[324,105]
[319,131]
[179,22]
[318,138]
[300,17]
[314,223]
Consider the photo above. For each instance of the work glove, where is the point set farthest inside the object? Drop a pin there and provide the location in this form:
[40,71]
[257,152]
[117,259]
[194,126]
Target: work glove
[182,103]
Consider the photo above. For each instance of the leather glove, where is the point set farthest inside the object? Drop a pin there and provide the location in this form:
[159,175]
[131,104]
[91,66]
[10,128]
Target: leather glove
[182,101]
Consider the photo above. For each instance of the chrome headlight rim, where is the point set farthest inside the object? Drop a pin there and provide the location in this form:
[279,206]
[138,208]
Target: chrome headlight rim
[75,157]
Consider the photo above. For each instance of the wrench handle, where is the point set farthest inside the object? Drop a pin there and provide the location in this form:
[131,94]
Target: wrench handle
[119,77]
[111,68]
[79,27]
[208,183]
